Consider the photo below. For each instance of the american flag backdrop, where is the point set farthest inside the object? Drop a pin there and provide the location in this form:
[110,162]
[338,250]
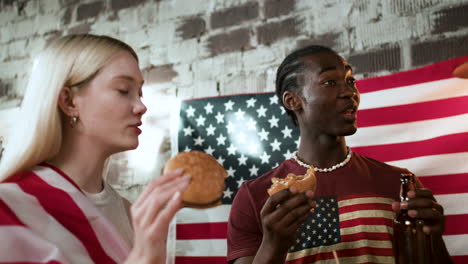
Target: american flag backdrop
[416,119]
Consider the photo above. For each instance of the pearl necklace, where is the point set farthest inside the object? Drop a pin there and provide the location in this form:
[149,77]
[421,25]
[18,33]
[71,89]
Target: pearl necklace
[332,168]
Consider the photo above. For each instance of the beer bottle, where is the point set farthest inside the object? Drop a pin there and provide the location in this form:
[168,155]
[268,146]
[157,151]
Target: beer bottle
[410,244]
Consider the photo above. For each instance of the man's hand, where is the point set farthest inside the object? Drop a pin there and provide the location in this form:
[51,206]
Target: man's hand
[282,214]
[422,205]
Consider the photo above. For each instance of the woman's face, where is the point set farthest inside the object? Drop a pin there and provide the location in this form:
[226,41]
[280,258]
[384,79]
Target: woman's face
[110,106]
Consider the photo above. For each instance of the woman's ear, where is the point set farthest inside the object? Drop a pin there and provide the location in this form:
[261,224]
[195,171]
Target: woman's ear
[66,102]
[292,101]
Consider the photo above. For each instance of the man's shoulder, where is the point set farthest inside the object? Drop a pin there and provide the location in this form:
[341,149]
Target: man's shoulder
[379,165]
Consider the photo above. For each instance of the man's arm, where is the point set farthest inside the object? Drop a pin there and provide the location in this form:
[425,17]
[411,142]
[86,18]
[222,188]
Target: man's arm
[281,216]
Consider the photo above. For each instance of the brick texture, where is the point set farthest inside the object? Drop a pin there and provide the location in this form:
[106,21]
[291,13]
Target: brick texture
[274,31]
[191,27]
[438,50]
[4,3]
[328,40]
[5,88]
[386,58]
[236,40]
[275,8]
[67,16]
[405,7]
[234,15]
[451,19]
[159,74]
[85,11]
[117,5]
[80,29]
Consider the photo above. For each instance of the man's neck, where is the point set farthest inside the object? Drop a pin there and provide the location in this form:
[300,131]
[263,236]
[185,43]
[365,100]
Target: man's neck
[322,151]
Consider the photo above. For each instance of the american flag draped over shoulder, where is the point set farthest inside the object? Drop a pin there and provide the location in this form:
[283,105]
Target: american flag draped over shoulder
[35,229]
[416,119]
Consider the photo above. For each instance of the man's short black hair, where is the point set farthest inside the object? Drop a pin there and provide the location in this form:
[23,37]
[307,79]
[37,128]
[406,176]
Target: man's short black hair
[289,71]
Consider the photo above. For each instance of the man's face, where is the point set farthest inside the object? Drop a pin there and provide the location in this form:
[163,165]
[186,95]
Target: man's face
[329,96]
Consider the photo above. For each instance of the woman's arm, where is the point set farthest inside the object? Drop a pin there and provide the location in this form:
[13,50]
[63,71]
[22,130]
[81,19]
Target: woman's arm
[152,214]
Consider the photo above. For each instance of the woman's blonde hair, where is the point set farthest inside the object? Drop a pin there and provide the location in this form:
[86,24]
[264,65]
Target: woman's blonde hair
[71,61]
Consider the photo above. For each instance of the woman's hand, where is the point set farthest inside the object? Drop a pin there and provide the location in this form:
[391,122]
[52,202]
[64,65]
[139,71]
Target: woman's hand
[151,215]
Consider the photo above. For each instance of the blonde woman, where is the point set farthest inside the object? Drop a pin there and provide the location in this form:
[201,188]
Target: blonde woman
[83,104]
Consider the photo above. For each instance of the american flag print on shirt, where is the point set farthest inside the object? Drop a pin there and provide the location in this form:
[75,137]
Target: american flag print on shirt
[351,228]
[416,119]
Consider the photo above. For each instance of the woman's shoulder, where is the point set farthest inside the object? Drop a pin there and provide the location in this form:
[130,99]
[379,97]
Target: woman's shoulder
[20,177]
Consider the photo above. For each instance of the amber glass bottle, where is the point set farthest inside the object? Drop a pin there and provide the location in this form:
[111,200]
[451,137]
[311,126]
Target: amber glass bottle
[410,244]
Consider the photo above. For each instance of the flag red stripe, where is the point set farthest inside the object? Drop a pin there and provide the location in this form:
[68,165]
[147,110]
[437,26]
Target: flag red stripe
[456,224]
[365,206]
[434,72]
[74,220]
[446,184]
[200,260]
[434,146]
[210,230]
[460,259]
[366,236]
[344,253]
[7,216]
[412,112]
[366,221]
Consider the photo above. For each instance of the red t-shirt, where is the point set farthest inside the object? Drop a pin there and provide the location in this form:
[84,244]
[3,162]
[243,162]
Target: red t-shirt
[353,217]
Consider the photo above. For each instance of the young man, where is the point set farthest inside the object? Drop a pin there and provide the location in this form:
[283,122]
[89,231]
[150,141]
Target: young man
[349,218]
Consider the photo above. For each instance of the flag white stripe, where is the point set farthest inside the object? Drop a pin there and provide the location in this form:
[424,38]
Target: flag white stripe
[423,92]
[38,220]
[34,249]
[202,248]
[453,163]
[409,132]
[213,215]
[457,245]
[364,200]
[454,204]
[366,228]
[111,241]
[366,213]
